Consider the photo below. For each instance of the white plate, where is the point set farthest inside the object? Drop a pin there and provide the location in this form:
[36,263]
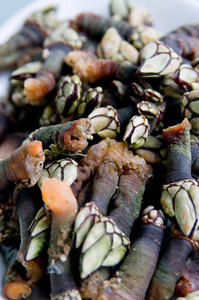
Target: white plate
[168,15]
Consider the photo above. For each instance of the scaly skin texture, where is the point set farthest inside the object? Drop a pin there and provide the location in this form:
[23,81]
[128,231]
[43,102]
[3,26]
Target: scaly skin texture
[168,270]
[179,154]
[89,164]
[134,274]
[131,187]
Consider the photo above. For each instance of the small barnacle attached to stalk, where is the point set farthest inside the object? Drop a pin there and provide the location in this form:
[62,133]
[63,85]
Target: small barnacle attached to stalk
[62,169]
[132,278]
[146,93]
[187,77]
[24,165]
[113,47]
[180,201]
[39,234]
[68,96]
[142,35]
[106,241]
[104,122]
[90,100]
[168,87]
[71,136]
[49,117]
[63,33]
[190,109]
[139,15]
[28,70]
[137,131]
[148,109]
[121,89]
[152,151]
[158,59]
[119,9]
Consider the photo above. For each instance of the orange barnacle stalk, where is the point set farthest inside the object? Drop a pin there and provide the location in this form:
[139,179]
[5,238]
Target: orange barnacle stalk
[24,164]
[62,203]
[17,290]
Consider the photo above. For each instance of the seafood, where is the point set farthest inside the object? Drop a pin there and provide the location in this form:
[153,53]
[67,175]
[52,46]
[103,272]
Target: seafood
[99,184]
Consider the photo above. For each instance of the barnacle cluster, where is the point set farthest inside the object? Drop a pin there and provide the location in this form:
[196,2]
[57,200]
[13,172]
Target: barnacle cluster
[99,166]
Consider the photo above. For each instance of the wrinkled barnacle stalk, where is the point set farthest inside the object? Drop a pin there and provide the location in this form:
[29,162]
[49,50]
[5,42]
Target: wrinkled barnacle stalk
[158,59]
[62,206]
[113,47]
[125,211]
[188,281]
[44,82]
[103,188]
[179,200]
[101,24]
[187,77]
[71,136]
[24,165]
[90,69]
[190,110]
[91,99]
[32,34]
[68,96]
[184,45]
[179,193]
[89,164]
[169,267]
[61,41]
[134,274]
[104,122]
